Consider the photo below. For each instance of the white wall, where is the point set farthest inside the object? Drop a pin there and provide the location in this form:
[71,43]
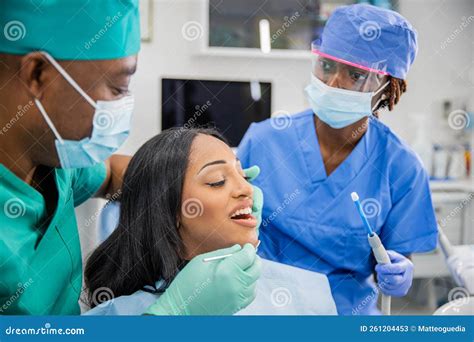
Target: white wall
[170,54]
[437,74]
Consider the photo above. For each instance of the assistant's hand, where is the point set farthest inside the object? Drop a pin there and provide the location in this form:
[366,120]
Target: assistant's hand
[219,287]
[252,173]
[395,279]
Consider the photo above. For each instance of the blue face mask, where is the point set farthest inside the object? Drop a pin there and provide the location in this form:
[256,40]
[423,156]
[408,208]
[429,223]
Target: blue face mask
[339,107]
[110,128]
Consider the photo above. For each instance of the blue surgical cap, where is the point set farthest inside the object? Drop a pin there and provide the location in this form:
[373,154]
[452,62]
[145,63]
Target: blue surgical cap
[70,29]
[370,36]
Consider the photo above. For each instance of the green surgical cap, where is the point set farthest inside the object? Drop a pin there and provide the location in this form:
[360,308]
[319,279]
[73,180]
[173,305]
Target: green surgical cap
[70,29]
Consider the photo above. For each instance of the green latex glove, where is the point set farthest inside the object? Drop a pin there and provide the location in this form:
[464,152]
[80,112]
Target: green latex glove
[219,287]
[252,173]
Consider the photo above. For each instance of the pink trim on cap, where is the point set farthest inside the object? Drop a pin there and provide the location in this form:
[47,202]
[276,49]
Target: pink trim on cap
[349,63]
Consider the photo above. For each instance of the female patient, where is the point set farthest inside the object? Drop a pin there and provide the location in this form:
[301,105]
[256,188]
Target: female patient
[185,194]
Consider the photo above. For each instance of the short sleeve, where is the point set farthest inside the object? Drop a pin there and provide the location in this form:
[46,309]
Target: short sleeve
[87,181]
[245,147]
[411,223]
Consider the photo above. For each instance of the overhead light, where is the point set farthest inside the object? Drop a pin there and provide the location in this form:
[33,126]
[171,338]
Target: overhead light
[255,90]
[265,44]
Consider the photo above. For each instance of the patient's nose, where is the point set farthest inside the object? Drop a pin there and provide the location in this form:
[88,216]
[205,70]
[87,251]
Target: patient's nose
[243,189]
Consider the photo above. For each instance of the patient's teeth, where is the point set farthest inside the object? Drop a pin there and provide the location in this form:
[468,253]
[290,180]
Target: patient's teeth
[243,211]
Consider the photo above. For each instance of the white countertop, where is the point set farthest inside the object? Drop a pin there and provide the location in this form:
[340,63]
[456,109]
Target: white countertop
[466,185]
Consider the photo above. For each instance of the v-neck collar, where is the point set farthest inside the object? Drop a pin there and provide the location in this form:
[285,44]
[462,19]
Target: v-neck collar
[309,144]
[8,177]
[30,194]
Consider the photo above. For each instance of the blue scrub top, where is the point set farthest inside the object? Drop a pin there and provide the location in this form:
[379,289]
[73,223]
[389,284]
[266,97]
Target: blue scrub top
[309,219]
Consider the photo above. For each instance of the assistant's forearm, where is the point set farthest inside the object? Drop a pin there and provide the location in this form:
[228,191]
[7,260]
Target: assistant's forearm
[116,166]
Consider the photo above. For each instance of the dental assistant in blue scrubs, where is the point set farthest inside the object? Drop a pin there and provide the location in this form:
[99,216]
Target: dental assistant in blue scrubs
[311,162]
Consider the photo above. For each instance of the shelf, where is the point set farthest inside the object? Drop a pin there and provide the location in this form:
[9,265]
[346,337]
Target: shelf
[255,53]
[430,265]
[466,185]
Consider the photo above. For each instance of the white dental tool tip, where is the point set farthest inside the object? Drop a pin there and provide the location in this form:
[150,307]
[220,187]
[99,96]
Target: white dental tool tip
[217,257]
[354,196]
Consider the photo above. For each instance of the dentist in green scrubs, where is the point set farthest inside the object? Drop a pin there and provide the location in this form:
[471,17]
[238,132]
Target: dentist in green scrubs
[65,108]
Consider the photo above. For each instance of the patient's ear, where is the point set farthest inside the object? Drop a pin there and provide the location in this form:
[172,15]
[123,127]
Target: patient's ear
[178,222]
[183,250]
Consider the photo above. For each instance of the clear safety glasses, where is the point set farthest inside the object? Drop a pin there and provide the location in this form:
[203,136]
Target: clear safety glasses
[345,74]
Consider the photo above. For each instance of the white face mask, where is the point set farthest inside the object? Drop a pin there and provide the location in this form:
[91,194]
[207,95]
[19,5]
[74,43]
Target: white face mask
[110,128]
[340,107]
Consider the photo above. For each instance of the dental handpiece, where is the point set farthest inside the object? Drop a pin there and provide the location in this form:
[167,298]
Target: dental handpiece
[380,253]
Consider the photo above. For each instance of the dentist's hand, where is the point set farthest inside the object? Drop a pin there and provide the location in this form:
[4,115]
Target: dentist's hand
[219,287]
[395,279]
[252,173]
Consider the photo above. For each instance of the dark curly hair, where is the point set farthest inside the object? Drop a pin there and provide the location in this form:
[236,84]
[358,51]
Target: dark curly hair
[393,93]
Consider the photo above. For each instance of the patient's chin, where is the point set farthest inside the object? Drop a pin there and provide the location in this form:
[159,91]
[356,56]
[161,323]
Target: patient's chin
[255,242]
[251,238]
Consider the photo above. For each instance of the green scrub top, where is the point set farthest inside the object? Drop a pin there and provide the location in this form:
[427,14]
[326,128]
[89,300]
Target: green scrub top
[41,267]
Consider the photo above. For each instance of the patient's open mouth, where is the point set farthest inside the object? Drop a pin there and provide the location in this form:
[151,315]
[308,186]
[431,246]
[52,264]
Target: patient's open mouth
[244,217]
[242,214]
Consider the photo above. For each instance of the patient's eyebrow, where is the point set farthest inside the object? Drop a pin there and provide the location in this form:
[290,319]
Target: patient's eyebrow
[215,162]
